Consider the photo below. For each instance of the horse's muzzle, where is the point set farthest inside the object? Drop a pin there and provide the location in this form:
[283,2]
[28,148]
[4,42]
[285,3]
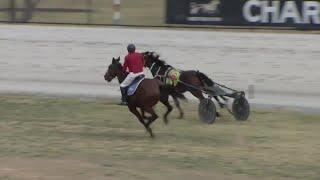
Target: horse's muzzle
[106,78]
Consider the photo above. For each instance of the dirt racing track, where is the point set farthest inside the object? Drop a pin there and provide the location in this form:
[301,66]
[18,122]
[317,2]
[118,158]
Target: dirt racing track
[282,68]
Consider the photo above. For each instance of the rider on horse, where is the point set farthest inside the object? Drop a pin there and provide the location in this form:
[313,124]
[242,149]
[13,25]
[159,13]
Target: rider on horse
[133,64]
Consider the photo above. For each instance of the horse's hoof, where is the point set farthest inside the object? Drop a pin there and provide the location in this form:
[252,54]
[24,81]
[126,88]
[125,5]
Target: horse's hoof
[218,114]
[221,105]
[150,132]
[123,103]
[181,116]
[166,122]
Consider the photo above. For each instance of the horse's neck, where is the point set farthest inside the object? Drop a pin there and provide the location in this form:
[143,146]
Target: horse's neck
[122,76]
[153,68]
[158,69]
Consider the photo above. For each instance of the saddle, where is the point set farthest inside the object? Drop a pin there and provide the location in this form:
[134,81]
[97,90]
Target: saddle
[135,84]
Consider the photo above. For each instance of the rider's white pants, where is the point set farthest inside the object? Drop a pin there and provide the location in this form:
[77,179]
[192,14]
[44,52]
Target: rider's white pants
[131,76]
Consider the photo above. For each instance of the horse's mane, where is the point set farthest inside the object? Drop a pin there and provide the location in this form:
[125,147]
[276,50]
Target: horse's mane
[156,59]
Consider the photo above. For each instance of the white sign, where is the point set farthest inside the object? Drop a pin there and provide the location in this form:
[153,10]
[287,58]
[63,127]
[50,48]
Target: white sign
[272,13]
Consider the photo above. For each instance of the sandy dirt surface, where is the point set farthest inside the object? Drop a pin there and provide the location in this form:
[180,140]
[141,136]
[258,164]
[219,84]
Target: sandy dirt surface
[283,68]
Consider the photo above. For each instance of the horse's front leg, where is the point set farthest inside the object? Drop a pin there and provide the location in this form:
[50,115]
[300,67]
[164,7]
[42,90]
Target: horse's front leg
[143,114]
[164,99]
[153,117]
[134,110]
[177,103]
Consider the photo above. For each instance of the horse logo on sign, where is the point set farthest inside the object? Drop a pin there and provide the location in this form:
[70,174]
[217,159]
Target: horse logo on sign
[210,9]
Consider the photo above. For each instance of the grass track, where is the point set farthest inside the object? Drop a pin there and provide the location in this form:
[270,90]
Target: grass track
[75,135]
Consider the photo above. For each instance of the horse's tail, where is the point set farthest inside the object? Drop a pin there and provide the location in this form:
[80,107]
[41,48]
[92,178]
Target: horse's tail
[205,79]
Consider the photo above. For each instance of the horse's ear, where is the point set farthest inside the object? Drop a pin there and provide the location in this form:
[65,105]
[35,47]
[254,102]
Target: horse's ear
[118,59]
[113,60]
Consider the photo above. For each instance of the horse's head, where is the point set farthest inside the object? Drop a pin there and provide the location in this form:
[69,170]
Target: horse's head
[114,69]
[150,58]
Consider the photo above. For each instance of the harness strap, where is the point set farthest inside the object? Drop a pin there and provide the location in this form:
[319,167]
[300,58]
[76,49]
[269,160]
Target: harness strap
[157,73]
[152,66]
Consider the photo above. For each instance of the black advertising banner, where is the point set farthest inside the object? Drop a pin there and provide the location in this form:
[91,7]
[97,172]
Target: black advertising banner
[282,13]
[193,12]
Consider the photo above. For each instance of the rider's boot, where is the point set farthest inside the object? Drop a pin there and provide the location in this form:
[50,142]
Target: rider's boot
[123,96]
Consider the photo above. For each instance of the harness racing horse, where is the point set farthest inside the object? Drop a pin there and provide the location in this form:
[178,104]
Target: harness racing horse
[146,96]
[192,81]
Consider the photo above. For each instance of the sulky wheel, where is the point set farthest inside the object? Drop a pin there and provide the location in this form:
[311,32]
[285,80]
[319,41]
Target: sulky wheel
[207,111]
[241,108]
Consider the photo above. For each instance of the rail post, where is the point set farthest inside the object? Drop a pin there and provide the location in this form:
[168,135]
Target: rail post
[12,11]
[89,7]
[116,11]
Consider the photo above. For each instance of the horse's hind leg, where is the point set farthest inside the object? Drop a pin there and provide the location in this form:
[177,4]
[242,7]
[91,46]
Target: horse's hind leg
[200,96]
[220,103]
[165,101]
[143,114]
[224,98]
[153,117]
[177,103]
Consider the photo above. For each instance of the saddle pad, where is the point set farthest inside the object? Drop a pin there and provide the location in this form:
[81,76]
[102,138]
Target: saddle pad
[134,86]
